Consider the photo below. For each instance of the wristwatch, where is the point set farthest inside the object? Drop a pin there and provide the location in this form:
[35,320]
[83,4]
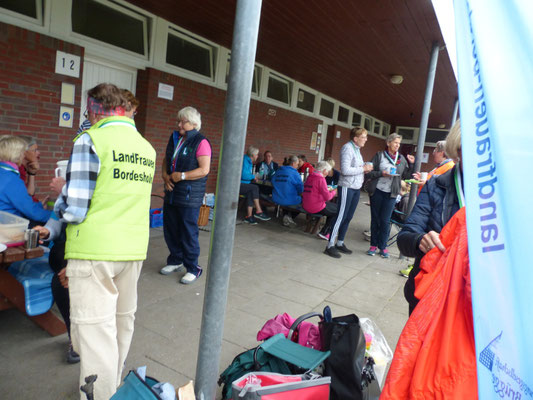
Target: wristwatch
[183,176]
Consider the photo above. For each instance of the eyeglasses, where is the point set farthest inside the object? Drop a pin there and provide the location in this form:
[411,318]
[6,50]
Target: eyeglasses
[183,122]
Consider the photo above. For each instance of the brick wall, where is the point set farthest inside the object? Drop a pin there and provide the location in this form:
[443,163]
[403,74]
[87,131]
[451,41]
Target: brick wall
[30,93]
[284,133]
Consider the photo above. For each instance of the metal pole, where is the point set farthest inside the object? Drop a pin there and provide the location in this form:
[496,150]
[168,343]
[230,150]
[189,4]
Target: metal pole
[455,110]
[424,119]
[245,35]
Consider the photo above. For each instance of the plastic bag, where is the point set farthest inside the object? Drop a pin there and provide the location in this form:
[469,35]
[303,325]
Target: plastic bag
[377,348]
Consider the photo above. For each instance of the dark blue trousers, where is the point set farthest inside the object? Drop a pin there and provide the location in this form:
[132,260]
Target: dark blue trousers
[381,207]
[346,203]
[180,227]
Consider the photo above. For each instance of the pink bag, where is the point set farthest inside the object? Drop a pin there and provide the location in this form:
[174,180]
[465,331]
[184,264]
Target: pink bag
[272,386]
[308,333]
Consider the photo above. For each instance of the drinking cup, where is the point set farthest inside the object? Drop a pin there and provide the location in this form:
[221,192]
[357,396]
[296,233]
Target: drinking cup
[61,170]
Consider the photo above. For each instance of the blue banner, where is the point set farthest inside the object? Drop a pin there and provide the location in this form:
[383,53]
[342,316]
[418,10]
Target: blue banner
[495,70]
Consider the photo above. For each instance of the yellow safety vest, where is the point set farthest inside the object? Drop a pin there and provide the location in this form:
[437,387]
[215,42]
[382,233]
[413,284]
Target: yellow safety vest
[116,227]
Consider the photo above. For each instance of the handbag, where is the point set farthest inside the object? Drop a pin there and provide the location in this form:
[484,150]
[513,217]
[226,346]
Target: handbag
[203,216]
[271,386]
[352,374]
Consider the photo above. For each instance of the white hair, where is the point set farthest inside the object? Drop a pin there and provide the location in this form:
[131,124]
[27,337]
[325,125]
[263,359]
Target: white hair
[192,115]
[323,166]
[252,151]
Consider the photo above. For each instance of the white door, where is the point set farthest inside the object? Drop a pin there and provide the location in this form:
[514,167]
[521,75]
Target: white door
[97,71]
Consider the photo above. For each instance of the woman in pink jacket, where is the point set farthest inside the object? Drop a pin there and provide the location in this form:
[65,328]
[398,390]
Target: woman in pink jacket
[316,197]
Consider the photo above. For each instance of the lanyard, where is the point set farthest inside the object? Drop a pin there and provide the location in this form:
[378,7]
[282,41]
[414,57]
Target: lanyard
[459,188]
[179,145]
[8,167]
[390,159]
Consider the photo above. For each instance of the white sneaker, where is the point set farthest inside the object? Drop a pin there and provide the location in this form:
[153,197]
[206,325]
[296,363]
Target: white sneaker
[291,221]
[190,278]
[170,269]
[287,220]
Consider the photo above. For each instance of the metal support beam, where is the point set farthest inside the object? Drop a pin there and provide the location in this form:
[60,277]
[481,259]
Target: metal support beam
[424,120]
[455,111]
[236,111]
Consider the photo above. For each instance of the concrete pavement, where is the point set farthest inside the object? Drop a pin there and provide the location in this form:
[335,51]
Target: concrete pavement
[275,269]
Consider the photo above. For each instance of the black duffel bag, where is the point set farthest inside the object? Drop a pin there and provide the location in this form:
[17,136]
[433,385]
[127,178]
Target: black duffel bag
[352,374]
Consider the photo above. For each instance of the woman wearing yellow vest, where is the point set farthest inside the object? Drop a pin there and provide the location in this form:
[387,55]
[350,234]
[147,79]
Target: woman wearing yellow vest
[106,202]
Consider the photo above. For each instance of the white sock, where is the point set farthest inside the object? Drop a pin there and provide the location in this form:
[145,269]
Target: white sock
[340,242]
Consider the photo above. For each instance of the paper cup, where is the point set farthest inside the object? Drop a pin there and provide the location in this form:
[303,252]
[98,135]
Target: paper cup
[424,176]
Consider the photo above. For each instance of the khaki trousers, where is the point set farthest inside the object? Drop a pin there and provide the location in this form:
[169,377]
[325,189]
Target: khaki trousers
[103,301]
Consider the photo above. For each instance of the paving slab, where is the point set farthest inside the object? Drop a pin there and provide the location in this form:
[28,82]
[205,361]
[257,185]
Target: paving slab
[274,269]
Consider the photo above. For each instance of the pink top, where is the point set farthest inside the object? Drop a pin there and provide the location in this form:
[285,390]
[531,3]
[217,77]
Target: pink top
[204,149]
[316,193]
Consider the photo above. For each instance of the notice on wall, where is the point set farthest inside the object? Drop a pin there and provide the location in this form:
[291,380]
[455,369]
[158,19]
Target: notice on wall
[338,134]
[318,140]
[66,116]
[313,140]
[67,64]
[68,91]
[425,157]
[165,91]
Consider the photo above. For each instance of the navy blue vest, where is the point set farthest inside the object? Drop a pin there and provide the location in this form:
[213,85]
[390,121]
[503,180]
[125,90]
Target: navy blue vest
[188,193]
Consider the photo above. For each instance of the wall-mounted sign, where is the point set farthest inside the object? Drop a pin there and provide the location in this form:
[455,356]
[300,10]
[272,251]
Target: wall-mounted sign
[272,112]
[425,157]
[68,91]
[338,134]
[313,140]
[66,115]
[67,64]
[319,128]
[165,91]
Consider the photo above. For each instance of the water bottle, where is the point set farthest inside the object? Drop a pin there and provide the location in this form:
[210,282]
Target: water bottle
[302,176]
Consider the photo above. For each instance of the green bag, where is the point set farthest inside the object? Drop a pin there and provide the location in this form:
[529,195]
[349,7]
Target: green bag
[244,363]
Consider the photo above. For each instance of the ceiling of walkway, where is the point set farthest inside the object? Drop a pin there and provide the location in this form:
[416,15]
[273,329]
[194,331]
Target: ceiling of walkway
[346,49]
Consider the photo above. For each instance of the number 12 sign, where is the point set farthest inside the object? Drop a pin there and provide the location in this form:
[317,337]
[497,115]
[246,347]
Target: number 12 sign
[67,64]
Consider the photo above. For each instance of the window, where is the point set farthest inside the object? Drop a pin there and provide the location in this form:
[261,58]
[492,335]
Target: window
[407,133]
[342,115]
[434,135]
[188,53]
[356,119]
[386,130]
[27,9]
[279,89]
[306,101]
[326,108]
[377,127]
[255,81]
[368,124]
[111,24]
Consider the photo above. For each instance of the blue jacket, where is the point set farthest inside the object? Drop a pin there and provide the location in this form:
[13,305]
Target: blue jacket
[288,186]
[247,176]
[14,198]
[269,169]
[435,206]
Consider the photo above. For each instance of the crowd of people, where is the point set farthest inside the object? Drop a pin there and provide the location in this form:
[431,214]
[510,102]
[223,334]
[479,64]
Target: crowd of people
[98,228]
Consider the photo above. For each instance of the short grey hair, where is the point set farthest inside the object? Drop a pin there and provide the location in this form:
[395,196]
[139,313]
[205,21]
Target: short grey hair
[289,160]
[393,136]
[29,139]
[323,165]
[252,151]
[192,115]
[12,148]
[441,146]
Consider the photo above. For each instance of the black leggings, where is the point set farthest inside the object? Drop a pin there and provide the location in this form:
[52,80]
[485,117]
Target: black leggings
[251,192]
[57,263]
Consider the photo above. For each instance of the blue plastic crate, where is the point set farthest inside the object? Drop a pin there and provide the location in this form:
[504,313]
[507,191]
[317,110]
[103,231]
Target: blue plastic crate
[156,217]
